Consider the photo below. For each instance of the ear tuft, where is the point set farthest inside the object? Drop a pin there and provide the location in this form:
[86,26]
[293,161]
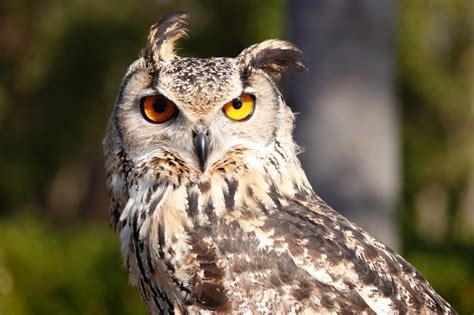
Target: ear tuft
[162,38]
[275,57]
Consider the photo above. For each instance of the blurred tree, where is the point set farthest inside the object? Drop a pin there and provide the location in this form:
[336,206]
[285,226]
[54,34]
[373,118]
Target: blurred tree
[349,122]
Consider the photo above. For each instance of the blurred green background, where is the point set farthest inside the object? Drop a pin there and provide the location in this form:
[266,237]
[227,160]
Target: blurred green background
[60,66]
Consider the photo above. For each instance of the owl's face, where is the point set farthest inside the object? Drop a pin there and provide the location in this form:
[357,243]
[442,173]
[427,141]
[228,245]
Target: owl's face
[197,112]
[194,105]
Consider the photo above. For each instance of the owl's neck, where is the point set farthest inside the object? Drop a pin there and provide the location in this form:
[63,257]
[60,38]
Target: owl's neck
[242,180]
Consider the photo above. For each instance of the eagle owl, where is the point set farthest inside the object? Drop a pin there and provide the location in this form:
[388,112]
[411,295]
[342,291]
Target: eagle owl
[213,209]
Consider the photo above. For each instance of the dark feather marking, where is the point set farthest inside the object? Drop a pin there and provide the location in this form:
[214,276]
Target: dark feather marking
[164,31]
[125,166]
[327,302]
[272,161]
[147,196]
[279,61]
[265,210]
[209,291]
[204,186]
[207,262]
[245,76]
[229,246]
[371,252]
[437,302]
[155,202]
[393,266]
[209,210]
[168,27]
[280,151]
[249,191]
[211,271]
[345,310]
[128,264]
[305,220]
[358,303]
[286,270]
[144,293]
[170,266]
[275,281]
[238,267]
[150,262]
[366,274]
[192,202]
[212,297]
[294,247]
[136,233]
[275,61]
[301,294]
[274,195]
[161,241]
[163,297]
[414,298]
[229,197]
[115,211]
[302,195]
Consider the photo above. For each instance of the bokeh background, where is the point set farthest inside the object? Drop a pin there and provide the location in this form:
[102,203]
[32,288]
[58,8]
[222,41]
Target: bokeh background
[60,66]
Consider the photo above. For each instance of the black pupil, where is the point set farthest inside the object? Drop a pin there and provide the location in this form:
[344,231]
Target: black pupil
[159,105]
[237,103]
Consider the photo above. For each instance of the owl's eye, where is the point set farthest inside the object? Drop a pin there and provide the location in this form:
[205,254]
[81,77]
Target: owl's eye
[157,108]
[240,108]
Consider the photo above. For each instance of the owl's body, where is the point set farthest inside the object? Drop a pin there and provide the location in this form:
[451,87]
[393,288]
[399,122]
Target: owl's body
[214,211]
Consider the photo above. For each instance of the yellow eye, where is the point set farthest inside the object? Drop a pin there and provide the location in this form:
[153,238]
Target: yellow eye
[157,108]
[240,108]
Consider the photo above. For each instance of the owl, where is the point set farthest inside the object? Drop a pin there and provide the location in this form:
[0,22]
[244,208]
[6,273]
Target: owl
[212,207]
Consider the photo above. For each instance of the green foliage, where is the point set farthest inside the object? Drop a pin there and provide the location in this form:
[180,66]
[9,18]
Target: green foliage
[436,90]
[436,55]
[49,269]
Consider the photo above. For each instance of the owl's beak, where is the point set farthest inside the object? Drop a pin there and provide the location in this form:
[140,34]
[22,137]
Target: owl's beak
[201,145]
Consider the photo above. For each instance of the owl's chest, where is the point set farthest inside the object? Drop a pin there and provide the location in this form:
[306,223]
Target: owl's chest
[168,220]
[206,248]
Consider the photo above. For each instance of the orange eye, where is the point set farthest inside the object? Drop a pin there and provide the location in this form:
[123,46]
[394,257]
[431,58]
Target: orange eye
[157,108]
[240,108]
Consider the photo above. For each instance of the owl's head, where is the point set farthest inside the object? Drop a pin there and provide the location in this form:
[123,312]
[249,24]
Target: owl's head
[198,111]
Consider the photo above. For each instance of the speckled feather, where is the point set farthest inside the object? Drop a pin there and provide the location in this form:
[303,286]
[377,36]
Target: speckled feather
[247,234]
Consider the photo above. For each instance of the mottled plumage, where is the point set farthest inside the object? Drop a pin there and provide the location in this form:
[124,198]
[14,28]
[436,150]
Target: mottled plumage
[217,215]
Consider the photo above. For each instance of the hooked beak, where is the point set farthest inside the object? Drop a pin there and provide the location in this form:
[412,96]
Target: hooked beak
[201,145]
